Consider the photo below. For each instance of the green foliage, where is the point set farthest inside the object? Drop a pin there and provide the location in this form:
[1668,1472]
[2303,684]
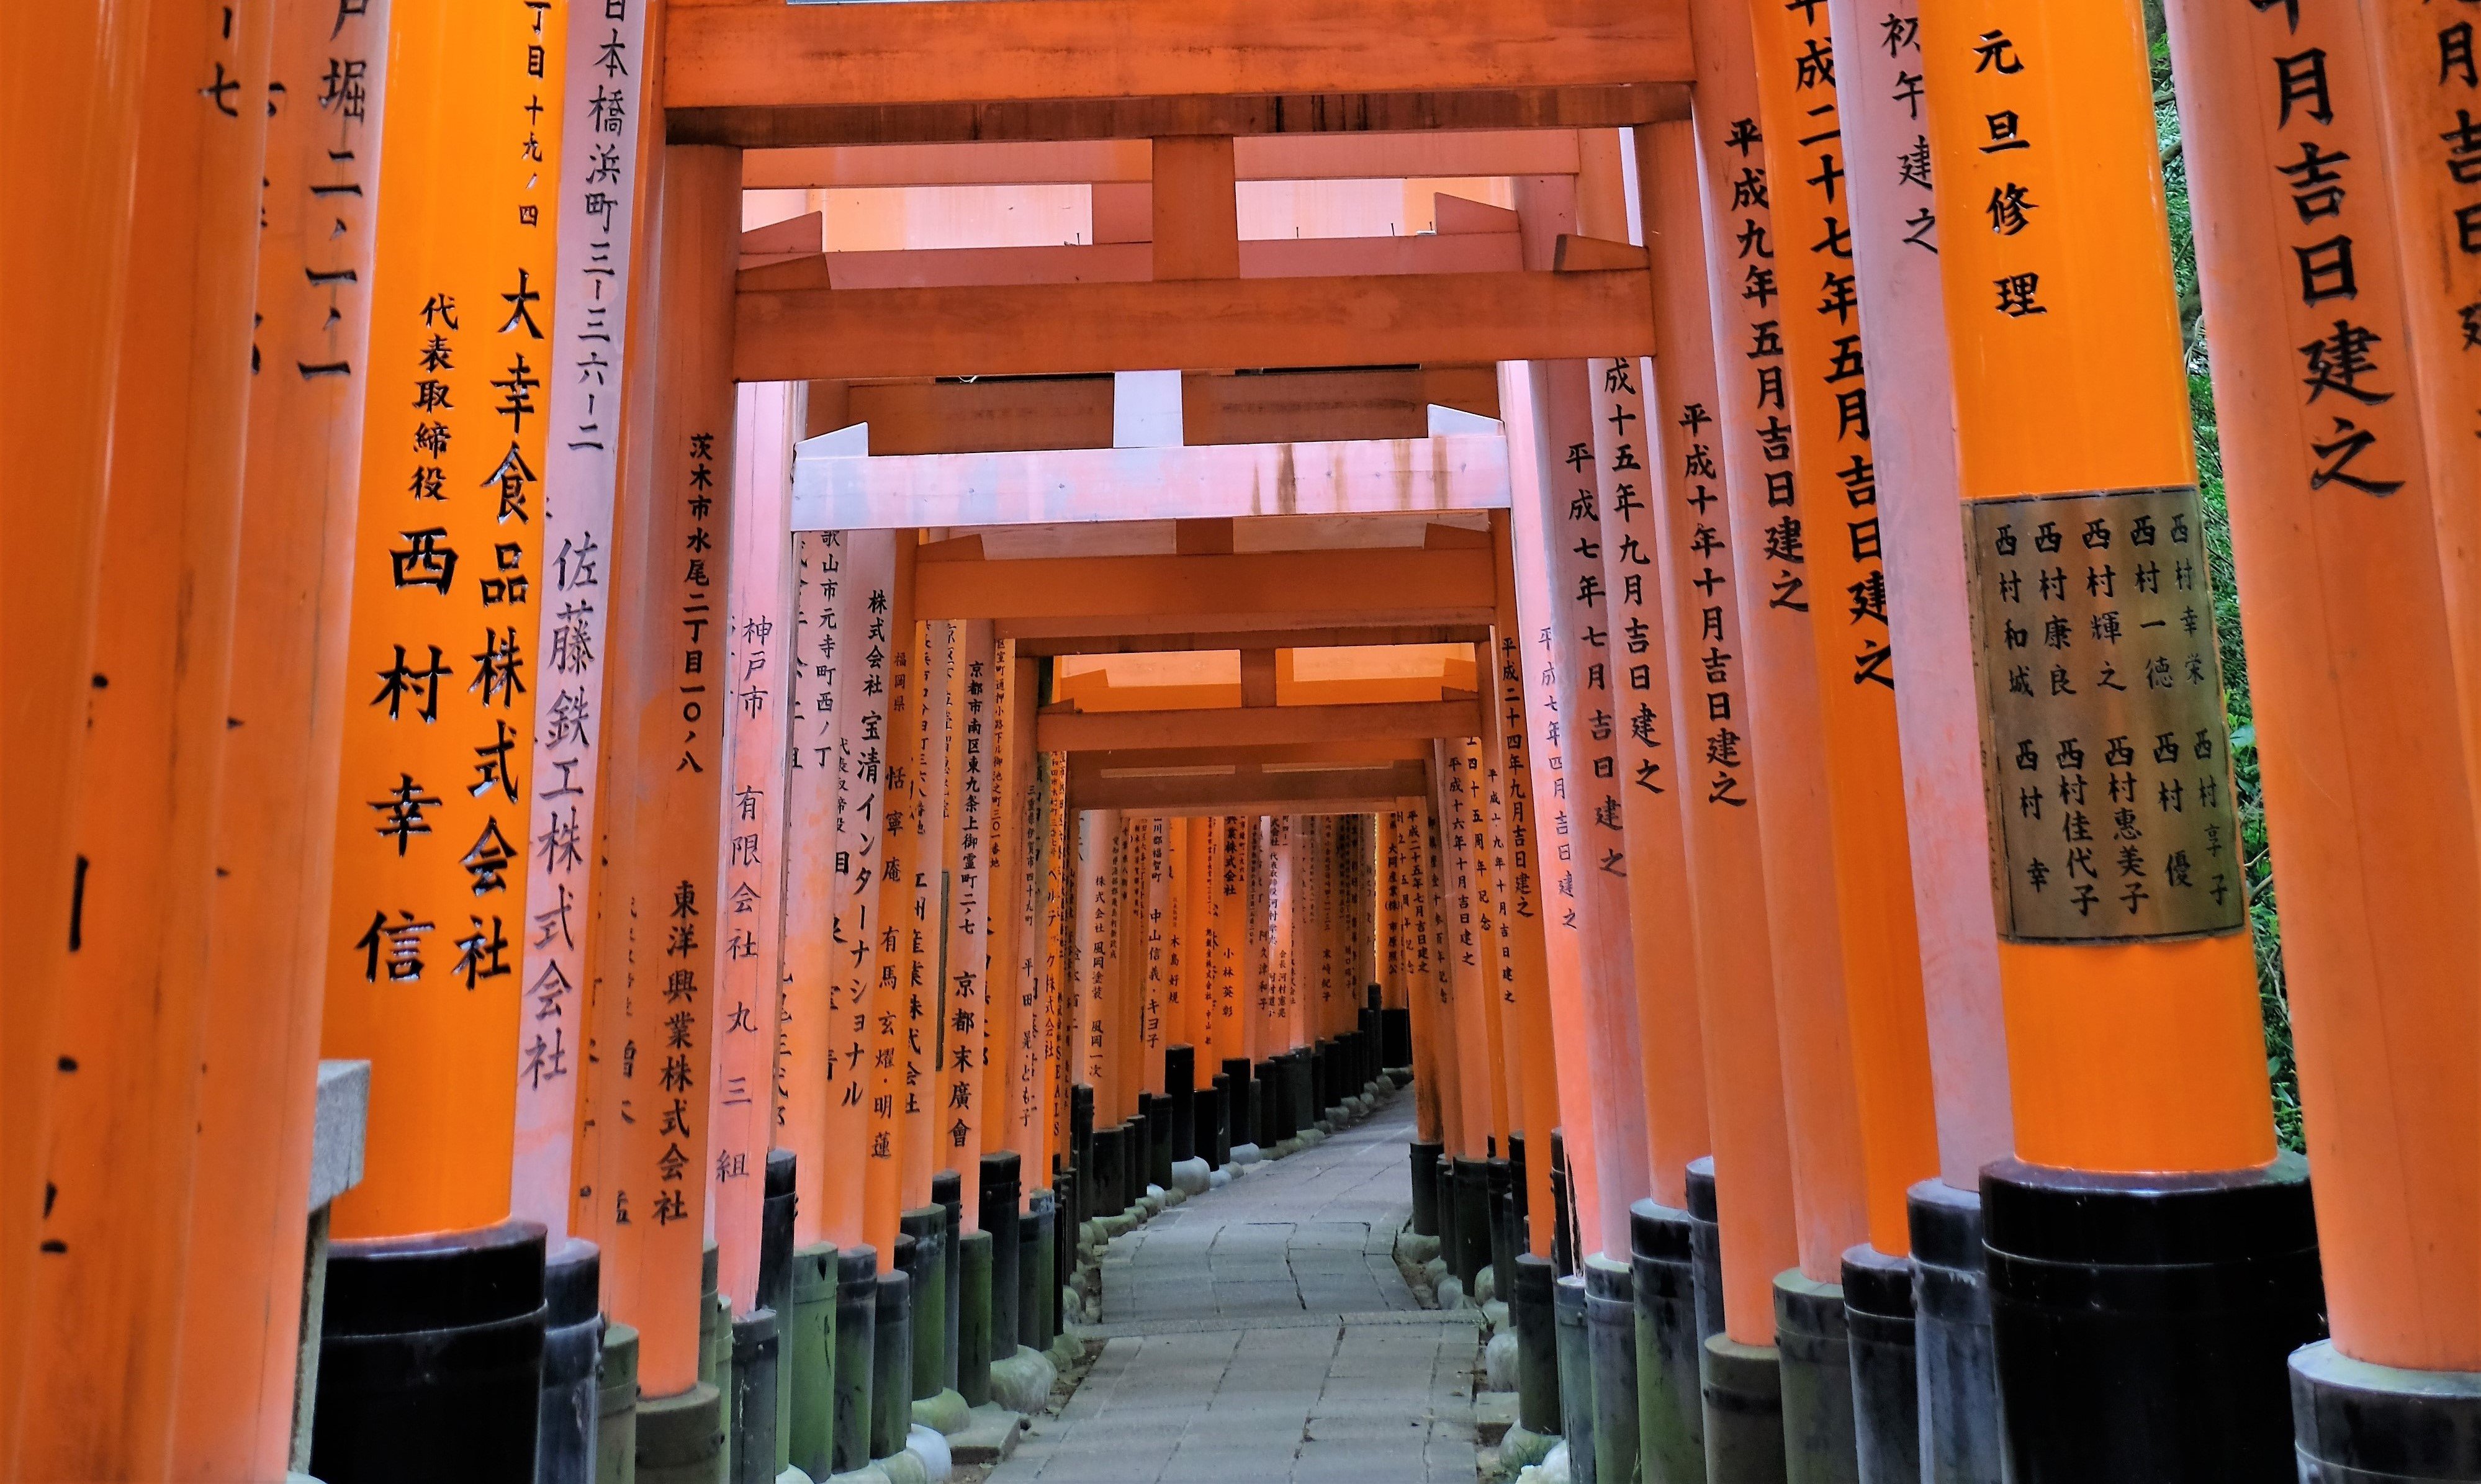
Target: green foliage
[2265,925]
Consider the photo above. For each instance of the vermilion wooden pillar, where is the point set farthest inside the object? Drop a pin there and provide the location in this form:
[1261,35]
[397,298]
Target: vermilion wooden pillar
[666,928]
[70,110]
[2134,1034]
[120,1052]
[1509,734]
[240,1318]
[959,1116]
[2418,65]
[891,899]
[2354,660]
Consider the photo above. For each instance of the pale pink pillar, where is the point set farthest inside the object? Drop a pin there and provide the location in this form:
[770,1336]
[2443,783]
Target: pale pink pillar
[1912,436]
[595,244]
[757,633]
[1559,575]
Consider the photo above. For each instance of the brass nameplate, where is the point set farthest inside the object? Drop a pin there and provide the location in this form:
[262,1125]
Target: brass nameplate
[2104,745]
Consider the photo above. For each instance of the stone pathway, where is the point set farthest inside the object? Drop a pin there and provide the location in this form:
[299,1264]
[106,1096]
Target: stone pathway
[1263,1333]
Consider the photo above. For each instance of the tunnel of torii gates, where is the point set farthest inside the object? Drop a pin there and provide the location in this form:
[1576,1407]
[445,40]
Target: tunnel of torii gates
[799,647]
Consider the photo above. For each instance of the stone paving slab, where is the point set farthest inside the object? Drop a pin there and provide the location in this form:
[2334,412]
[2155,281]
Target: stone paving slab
[1263,1333]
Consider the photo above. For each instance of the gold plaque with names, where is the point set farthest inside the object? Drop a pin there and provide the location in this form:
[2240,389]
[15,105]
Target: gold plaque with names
[2104,744]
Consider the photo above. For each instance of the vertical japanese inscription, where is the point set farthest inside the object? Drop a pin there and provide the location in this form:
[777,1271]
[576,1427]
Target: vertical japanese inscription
[432,826]
[2103,748]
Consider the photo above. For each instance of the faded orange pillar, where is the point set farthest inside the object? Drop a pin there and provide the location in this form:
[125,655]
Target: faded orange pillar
[2350,591]
[901,800]
[1482,1090]
[1015,935]
[1097,833]
[962,1016]
[2135,1036]
[1420,998]
[839,662]
[71,105]
[917,1047]
[1670,1059]
[135,996]
[1507,732]
[666,926]
[240,1318]
[1553,751]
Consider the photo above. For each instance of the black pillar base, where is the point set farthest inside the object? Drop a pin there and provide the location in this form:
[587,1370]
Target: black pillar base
[1159,1150]
[2143,1323]
[1426,1187]
[1530,1315]
[1886,1387]
[2353,1422]
[997,1195]
[572,1344]
[947,1193]
[1179,1085]
[856,1363]
[1395,1038]
[1671,1416]
[430,1358]
[1706,1247]
[1959,1376]
[891,1393]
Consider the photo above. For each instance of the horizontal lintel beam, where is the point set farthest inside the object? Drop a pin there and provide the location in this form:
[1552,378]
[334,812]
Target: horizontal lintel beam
[1382,582]
[1360,476]
[1066,731]
[764,54]
[1432,154]
[1053,637]
[1056,330]
[1251,793]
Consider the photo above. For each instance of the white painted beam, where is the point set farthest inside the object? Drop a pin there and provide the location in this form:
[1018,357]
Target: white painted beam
[835,490]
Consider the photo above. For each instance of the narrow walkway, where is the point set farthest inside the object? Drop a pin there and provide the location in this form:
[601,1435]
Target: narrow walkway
[1262,1332]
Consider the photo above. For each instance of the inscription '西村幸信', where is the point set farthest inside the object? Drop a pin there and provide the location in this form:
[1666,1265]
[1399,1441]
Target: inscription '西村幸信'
[2104,745]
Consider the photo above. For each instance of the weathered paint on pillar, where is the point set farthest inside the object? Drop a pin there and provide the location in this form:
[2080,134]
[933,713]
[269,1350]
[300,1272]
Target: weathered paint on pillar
[1707,587]
[742,1093]
[665,926]
[820,1084]
[1903,316]
[135,996]
[597,271]
[2144,1054]
[240,1324]
[925,948]
[1581,1093]
[1512,745]
[2352,669]
[1482,1092]
[1670,1058]
[958,1116]
[1856,1044]
[2428,83]
[1014,858]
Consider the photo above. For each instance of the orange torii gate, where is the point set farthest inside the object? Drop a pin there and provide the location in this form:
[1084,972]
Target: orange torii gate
[1025,805]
